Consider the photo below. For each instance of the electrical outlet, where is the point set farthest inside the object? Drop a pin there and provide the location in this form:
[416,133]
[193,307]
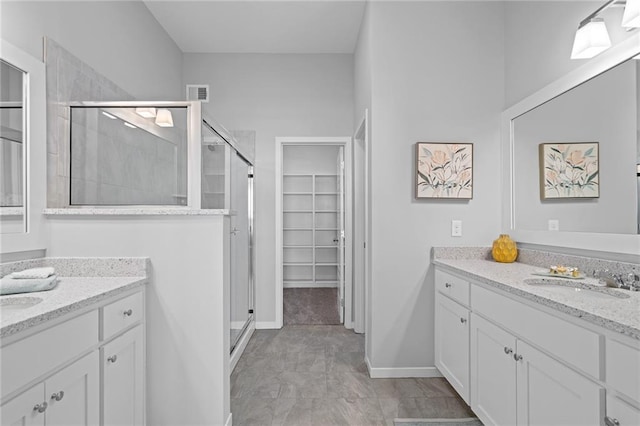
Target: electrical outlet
[456,228]
[554,225]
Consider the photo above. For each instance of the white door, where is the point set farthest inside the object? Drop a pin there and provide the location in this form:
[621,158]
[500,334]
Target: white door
[73,394]
[493,373]
[123,377]
[550,393]
[340,236]
[452,343]
[27,409]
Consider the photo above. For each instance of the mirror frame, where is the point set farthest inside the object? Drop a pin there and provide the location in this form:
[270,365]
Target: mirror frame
[34,158]
[628,244]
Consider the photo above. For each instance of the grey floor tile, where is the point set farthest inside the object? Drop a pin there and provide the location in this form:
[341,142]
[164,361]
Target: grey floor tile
[350,385]
[436,386]
[411,408]
[341,411]
[346,362]
[301,385]
[399,388]
[293,412]
[252,411]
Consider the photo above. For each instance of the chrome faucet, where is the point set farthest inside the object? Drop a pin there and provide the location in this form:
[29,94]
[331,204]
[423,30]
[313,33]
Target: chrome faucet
[629,281]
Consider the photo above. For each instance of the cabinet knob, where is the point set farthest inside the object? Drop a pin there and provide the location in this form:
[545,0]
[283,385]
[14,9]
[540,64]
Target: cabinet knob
[611,422]
[112,359]
[128,312]
[40,408]
[517,357]
[447,285]
[508,351]
[57,396]
[463,320]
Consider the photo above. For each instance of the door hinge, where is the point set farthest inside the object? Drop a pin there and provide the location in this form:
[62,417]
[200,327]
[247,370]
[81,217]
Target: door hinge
[365,244]
[342,165]
[250,311]
[342,303]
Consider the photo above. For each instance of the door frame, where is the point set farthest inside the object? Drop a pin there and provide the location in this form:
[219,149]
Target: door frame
[361,277]
[346,142]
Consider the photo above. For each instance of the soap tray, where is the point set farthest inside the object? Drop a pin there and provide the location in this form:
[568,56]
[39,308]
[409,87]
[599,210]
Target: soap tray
[567,275]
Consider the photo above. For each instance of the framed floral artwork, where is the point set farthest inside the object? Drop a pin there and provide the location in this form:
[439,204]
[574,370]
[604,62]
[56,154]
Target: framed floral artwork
[569,170]
[444,170]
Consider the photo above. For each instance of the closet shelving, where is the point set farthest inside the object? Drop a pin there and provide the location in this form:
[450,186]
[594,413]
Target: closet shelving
[310,227]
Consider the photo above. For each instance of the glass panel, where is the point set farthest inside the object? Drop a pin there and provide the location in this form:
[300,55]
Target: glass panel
[326,202]
[327,220]
[297,273]
[326,184]
[326,255]
[119,157]
[241,282]
[297,202]
[326,273]
[326,238]
[298,238]
[11,148]
[213,169]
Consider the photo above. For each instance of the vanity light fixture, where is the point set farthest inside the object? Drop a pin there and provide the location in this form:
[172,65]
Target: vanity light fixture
[131,126]
[631,16]
[591,38]
[106,114]
[146,112]
[164,118]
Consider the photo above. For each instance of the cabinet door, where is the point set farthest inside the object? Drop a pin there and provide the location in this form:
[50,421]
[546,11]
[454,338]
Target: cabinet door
[551,393]
[621,413]
[493,373]
[452,344]
[123,379]
[23,410]
[73,394]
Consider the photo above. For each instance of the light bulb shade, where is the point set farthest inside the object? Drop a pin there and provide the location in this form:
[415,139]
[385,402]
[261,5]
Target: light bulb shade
[631,16]
[591,39]
[146,112]
[164,118]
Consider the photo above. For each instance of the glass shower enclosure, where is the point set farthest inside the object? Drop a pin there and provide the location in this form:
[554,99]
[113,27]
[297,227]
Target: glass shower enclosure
[227,183]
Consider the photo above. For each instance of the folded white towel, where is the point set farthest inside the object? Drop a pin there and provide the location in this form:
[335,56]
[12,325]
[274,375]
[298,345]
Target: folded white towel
[33,273]
[14,286]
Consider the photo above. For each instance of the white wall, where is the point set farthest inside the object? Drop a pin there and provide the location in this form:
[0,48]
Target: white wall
[274,95]
[299,159]
[437,75]
[601,110]
[187,305]
[538,40]
[120,39]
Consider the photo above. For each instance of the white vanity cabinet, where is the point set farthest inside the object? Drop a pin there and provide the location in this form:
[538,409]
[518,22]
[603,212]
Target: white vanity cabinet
[526,366]
[82,369]
[452,331]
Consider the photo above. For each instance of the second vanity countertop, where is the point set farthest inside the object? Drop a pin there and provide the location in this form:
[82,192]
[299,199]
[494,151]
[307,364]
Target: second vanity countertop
[73,292]
[619,315]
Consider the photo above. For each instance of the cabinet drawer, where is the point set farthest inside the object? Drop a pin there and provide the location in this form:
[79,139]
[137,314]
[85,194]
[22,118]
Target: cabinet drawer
[122,314]
[566,341]
[33,356]
[623,368]
[623,413]
[453,286]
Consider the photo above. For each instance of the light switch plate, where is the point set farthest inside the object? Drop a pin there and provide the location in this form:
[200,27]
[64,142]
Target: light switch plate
[456,228]
[554,225]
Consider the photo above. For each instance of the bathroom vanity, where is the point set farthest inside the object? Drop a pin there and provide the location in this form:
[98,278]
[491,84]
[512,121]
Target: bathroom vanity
[520,352]
[76,354]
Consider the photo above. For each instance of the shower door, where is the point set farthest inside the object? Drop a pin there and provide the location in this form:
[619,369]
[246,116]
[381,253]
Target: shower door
[241,222]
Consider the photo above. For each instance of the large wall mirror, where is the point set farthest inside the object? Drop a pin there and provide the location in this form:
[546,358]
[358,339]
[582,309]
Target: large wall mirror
[12,147]
[571,155]
[22,150]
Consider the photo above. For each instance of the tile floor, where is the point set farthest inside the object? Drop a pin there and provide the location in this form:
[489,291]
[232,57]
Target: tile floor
[316,375]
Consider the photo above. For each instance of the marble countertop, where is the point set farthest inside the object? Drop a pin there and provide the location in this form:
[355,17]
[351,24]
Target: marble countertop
[71,294]
[619,315]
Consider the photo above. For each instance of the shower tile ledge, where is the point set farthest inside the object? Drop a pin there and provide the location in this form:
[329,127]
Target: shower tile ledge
[146,211]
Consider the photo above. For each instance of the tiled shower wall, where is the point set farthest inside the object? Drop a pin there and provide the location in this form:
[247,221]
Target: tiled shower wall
[68,80]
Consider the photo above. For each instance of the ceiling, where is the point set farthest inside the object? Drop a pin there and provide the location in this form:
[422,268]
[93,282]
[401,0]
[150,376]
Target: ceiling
[261,26]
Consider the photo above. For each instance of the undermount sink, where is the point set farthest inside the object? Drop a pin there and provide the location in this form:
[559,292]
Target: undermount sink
[566,287]
[15,304]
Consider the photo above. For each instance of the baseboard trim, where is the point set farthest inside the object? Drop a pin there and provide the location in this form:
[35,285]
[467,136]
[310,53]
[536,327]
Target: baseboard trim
[229,421]
[400,373]
[267,325]
[242,344]
[305,285]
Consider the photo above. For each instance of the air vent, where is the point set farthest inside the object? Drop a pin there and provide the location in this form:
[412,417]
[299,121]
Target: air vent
[198,92]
